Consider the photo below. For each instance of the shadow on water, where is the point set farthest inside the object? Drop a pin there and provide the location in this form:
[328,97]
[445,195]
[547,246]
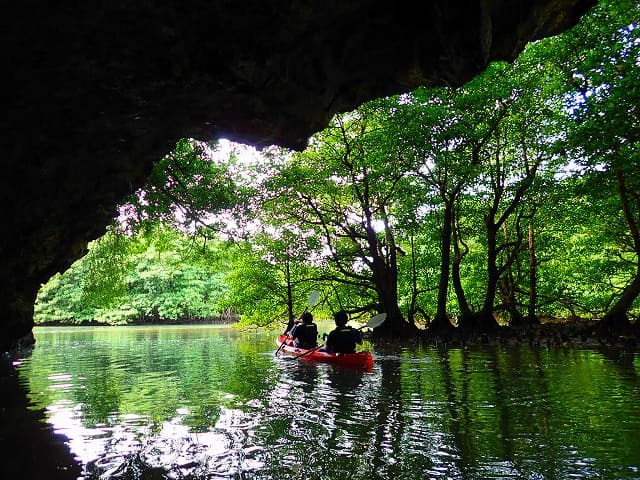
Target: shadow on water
[344,379]
[305,375]
[29,447]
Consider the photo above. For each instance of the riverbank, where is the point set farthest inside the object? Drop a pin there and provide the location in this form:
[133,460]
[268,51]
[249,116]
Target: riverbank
[578,333]
[141,322]
[582,333]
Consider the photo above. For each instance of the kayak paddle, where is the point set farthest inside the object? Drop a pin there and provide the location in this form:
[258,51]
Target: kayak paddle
[375,321]
[313,299]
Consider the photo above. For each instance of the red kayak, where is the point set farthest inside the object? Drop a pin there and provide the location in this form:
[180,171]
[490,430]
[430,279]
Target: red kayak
[358,359]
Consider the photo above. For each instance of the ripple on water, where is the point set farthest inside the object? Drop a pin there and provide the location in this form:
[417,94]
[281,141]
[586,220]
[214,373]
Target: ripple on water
[141,407]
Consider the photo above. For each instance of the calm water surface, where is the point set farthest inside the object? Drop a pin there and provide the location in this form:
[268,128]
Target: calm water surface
[209,402]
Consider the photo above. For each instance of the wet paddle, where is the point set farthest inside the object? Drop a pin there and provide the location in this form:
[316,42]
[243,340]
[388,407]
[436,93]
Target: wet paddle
[313,299]
[375,321]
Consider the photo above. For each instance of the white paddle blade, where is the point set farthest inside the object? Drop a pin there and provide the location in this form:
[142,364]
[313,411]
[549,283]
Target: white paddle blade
[377,320]
[313,298]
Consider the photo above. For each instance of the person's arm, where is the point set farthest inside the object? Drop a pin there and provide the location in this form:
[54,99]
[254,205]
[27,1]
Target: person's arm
[292,333]
[329,343]
[359,337]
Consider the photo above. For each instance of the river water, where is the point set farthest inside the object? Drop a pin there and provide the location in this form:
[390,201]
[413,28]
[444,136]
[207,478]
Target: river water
[214,403]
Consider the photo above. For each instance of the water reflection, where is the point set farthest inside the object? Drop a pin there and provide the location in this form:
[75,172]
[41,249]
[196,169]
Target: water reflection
[211,403]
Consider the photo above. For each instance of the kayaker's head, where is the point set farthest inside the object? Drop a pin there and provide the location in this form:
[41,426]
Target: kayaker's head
[340,318]
[307,317]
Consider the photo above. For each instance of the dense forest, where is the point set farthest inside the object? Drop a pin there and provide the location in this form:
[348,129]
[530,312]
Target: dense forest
[509,201]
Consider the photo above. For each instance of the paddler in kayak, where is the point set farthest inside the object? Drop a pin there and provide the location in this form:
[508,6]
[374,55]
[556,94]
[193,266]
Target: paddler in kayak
[305,334]
[343,338]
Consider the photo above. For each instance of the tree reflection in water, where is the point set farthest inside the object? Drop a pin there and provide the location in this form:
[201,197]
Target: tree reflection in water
[213,403]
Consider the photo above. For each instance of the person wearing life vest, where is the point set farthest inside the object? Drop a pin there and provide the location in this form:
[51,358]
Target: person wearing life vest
[305,334]
[343,338]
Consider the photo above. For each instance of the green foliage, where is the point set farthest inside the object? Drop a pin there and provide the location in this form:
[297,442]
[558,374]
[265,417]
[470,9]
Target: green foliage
[343,190]
[187,188]
[148,277]
[103,272]
[267,277]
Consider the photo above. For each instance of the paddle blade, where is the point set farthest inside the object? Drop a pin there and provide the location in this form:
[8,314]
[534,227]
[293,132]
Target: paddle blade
[377,320]
[313,298]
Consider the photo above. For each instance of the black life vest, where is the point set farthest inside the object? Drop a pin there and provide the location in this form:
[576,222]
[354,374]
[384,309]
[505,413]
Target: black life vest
[306,335]
[343,340]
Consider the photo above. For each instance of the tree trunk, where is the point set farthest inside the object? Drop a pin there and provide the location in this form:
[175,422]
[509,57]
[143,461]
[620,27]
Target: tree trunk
[413,303]
[441,324]
[456,279]
[507,284]
[386,282]
[290,313]
[532,317]
[507,290]
[616,319]
[385,278]
[485,321]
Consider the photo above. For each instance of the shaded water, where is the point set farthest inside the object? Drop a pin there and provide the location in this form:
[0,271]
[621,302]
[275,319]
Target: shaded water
[208,402]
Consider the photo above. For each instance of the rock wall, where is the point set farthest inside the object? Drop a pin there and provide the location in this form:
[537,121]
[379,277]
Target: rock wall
[95,92]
